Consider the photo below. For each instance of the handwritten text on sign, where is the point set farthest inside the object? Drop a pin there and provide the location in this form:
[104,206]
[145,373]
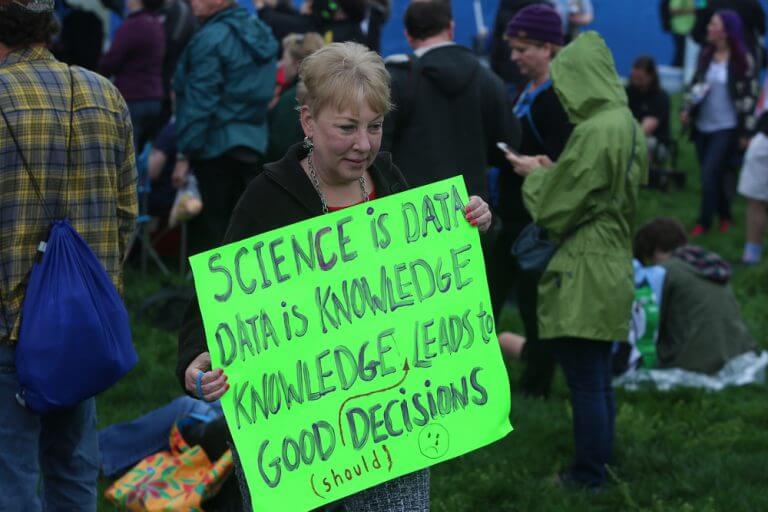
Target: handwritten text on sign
[359,346]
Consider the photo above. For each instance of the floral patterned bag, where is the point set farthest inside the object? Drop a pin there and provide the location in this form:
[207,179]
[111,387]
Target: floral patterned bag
[178,480]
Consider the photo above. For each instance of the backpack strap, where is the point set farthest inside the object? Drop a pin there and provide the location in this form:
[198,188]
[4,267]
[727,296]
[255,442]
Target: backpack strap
[631,157]
[522,109]
[634,151]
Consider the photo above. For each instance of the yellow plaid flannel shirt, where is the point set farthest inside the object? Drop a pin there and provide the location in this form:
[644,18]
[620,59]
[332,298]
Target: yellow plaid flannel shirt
[100,193]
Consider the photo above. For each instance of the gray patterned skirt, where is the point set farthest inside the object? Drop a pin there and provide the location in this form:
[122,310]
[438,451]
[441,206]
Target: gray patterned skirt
[409,493]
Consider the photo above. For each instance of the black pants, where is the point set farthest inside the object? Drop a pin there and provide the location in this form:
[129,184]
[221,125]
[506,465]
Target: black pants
[222,181]
[715,151]
[504,275]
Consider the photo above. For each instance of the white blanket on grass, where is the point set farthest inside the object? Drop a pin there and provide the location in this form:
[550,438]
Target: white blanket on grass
[748,368]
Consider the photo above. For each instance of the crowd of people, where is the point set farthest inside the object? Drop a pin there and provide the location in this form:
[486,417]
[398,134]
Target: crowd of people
[286,114]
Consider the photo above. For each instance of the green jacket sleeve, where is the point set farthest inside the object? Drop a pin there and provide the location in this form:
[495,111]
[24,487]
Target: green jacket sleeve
[572,191]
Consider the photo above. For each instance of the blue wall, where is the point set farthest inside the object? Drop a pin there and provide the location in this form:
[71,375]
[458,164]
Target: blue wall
[630,27]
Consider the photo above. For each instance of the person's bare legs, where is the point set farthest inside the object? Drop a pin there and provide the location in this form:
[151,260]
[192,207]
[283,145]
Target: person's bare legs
[511,344]
[757,219]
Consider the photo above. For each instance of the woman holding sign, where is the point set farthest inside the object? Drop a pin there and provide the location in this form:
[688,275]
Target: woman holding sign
[337,166]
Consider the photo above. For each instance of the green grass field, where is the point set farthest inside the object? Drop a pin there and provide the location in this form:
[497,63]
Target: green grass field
[686,450]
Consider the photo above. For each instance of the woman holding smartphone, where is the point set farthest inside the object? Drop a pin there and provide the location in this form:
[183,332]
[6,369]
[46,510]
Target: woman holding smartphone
[535,35]
[587,202]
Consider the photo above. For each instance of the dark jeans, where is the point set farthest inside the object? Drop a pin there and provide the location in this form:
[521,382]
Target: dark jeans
[47,462]
[145,117]
[504,275]
[587,368]
[222,181]
[123,445]
[714,151]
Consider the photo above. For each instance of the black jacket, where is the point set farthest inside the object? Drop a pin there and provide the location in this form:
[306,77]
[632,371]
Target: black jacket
[743,89]
[762,124]
[281,195]
[551,123]
[449,113]
[654,104]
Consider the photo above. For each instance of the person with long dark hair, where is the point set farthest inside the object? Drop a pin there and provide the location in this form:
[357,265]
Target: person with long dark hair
[650,106]
[720,106]
[752,14]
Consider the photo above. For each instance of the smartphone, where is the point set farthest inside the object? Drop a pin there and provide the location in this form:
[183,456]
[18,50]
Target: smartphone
[505,148]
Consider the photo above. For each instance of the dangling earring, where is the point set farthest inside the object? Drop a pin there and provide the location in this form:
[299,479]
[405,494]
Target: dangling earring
[308,144]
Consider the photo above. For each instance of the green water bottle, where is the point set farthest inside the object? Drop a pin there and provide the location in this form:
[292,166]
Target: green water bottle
[646,343]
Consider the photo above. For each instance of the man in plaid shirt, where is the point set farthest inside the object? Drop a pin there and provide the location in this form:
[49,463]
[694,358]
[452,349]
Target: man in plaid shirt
[97,192]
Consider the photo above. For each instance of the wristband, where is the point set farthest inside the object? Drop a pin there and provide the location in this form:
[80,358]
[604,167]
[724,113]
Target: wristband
[199,384]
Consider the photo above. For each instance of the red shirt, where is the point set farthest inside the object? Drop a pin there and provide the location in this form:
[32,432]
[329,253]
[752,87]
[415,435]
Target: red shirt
[371,196]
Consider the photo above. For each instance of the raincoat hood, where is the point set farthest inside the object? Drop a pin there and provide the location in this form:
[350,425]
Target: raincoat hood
[259,40]
[584,78]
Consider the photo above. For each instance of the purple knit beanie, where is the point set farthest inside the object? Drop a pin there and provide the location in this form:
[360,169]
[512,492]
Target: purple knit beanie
[539,22]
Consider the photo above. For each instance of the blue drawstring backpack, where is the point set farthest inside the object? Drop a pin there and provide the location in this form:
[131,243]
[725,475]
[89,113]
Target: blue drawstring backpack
[75,335]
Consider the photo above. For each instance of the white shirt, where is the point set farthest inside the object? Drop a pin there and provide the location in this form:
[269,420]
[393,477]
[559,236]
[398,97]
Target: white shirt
[424,49]
[717,111]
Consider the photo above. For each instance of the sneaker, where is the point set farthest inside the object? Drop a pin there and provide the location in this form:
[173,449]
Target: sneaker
[697,231]
[725,226]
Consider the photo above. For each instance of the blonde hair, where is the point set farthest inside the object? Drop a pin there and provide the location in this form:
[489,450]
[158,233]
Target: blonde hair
[345,75]
[301,46]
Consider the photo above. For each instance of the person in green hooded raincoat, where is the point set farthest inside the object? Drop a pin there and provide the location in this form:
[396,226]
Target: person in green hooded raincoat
[587,202]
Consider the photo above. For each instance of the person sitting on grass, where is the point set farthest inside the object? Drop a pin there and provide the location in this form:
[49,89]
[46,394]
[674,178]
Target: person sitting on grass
[700,328]
[700,325]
